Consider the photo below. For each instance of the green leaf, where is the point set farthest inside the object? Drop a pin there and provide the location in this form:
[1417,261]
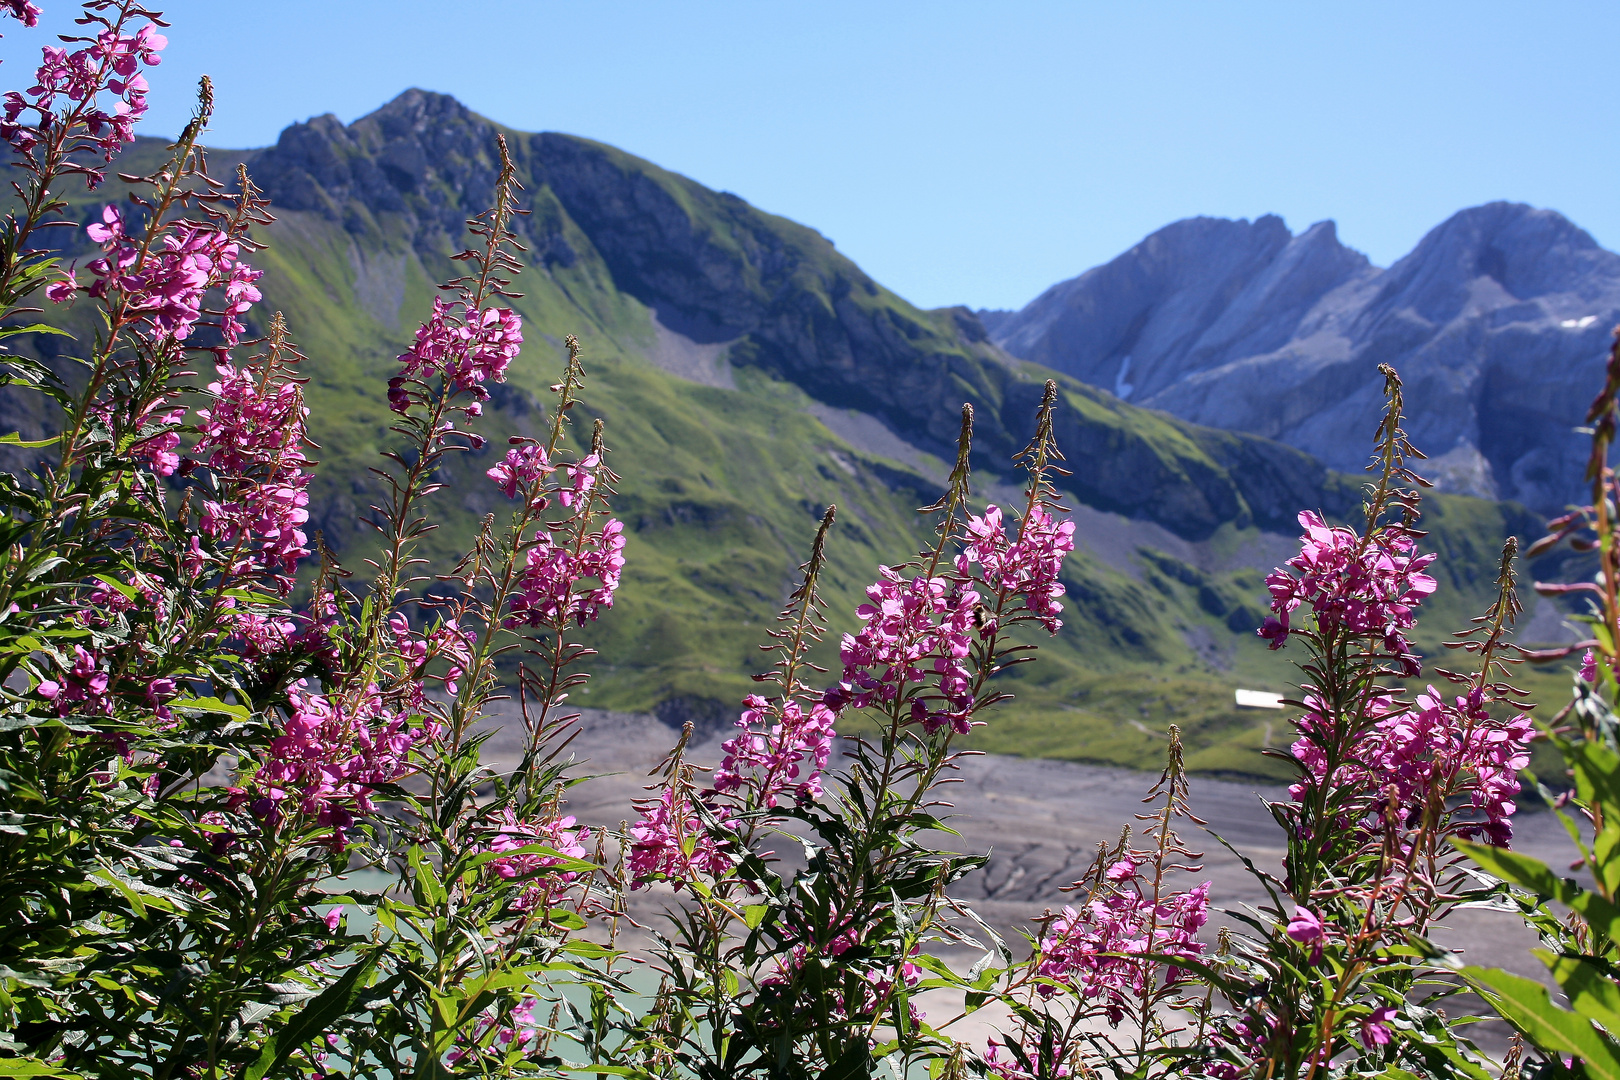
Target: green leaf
[33,328]
[129,592]
[211,705]
[45,566]
[1597,781]
[311,1022]
[565,918]
[14,438]
[129,894]
[1535,875]
[31,1067]
[425,886]
[1526,1005]
[1588,987]
[589,950]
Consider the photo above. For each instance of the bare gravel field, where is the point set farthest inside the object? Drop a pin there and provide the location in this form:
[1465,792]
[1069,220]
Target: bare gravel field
[1040,821]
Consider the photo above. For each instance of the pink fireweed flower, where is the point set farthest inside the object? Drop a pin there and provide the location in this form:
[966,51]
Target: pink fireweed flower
[62,290]
[159,692]
[83,690]
[262,633]
[1123,870]
[522,466]
[1372,594]
[447,640]
[252,436]
[157,451]
[160,451]
[524,1034]
[455,644]
[1028,566]
[1375,1027]
[559,834]
[21,10]
[412,648]
[547,590]
[1589,668]
[110,229]
[837,939]
[1306,929]
[168,288]
[913,648]
[330,755]
[466,348]
[832,936]
[1245,1039]
[669,843]
[1100,949]
[579,480]
[769,756]
[105,601]
[1454,747]
[110,63]
[1003,1064]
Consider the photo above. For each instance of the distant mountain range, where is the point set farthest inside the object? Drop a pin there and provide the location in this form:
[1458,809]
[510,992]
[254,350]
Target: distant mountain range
[750,374]
[1498,321]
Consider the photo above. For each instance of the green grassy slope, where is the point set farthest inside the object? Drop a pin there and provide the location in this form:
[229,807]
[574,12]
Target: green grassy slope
[722,487]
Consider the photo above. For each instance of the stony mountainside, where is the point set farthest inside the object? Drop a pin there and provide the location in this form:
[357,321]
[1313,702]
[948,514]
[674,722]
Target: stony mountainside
[749,375]
[1498,321]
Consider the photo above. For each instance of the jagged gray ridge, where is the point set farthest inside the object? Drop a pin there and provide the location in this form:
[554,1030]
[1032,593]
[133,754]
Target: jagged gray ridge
[1498,322]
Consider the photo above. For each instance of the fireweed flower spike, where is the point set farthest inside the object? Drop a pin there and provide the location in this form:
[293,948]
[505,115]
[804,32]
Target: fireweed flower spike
[252,438]
[1384,784]
[1365,588]
[1112,959]
[465,342]
[64,109]
[671,841]
[931,636]
[514,835]
[786,739]
[765,762]
[525,883]
[929,642]
[329,757]
[774,748]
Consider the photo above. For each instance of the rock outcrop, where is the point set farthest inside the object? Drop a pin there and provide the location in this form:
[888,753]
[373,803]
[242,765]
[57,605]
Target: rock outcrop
[1498,322]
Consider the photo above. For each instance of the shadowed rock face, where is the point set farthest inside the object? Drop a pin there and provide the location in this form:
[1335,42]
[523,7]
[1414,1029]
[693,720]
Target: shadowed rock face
[1497,321]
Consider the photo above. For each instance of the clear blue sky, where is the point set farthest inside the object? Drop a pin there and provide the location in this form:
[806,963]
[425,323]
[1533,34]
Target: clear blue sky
[975,152]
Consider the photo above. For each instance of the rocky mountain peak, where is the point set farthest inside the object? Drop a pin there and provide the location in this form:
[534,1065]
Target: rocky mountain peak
[1186,298]
[422,154]
[1494,256]
[1496,321]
